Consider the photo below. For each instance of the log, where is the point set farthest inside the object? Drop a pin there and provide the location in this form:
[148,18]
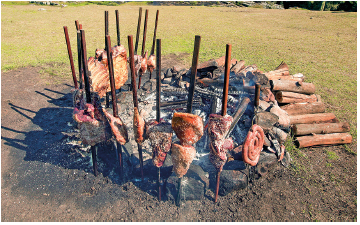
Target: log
[238,66]
[276,73]
[304,108]
[282,66]
[321,128]
[323,139]
[292,97]
[292,86]
[314,118]
[295,77]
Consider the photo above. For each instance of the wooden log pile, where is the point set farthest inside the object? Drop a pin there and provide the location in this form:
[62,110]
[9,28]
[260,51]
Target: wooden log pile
[311,125]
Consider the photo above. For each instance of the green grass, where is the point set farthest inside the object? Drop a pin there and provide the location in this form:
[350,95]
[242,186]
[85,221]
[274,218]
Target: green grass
[321,45]
[331,155]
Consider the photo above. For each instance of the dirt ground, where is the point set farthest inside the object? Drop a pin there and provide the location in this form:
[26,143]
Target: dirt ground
[44,178]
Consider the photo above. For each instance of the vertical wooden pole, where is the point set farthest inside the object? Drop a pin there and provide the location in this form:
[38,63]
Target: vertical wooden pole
[138,31]
[193,73]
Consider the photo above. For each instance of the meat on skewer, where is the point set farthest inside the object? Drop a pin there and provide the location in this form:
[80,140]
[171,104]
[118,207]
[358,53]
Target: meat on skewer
[143,66]
[160,136]
[139,126]
[98,67]
[188,128]
[91,122]
[182,156]
[118,127]
[217,129]
[151,63]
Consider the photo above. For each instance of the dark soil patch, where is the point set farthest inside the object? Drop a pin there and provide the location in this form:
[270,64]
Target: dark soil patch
[44,178]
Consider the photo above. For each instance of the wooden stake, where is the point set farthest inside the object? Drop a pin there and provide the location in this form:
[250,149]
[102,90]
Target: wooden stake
[257,94]
[138,31]
[193,73]
[70,56]
[107,97]
[217,183]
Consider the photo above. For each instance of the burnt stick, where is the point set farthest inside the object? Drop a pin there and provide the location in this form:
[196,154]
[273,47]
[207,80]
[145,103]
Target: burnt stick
[257,94]
[138,31]
[117,27]
[77,25]
[107,97]
[70,56]
[193,73]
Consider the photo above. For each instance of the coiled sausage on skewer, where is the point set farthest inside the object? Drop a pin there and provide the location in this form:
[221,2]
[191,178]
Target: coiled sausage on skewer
[253,145]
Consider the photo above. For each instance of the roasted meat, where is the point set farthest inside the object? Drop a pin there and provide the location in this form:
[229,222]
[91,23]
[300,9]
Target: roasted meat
[139,127]
[182,156]
[188,128]
[98,66]
[143,66]
[253,145]
[218,127]
[137,62]
[160,135]
[92,124]
[118,127]
[151,63]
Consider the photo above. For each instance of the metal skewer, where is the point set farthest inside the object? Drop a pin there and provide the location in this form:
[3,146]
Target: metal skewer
[154,37]
[190,97]
[88,94]
[135,100]
[138,31]
[107,97]
[79,52]
[143,45]
[224,107]
[158,91]
[117,145]
[70,56]
[117,27]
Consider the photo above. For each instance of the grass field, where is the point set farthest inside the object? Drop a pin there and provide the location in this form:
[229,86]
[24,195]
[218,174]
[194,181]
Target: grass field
[321,45]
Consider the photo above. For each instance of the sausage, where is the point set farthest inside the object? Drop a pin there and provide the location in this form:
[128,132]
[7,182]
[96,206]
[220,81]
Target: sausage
[253,145]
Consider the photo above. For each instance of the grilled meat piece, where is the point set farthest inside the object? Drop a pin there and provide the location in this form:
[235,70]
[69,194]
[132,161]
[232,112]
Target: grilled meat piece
[92,124]
[217,128]
[118,127]
[139,126]
[253,145]
[98,66]
[143,66]
[160,135]
[151,63]
[182,156]
[188,128]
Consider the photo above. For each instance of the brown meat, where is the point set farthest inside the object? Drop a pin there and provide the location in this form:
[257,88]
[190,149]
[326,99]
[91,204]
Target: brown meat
[98,66]
[137,62]
[181,157]
[92,124]
[253,145]
[188,128]
[143,66]
[99,77]
[118,127]
[160,135]
[218,127]
[139,127]
[151,63]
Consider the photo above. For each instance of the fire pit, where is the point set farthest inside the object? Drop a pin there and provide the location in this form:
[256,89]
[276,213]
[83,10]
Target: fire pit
[253,113]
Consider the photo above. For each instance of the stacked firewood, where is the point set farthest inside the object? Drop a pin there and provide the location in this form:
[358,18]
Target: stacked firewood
[310,124]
